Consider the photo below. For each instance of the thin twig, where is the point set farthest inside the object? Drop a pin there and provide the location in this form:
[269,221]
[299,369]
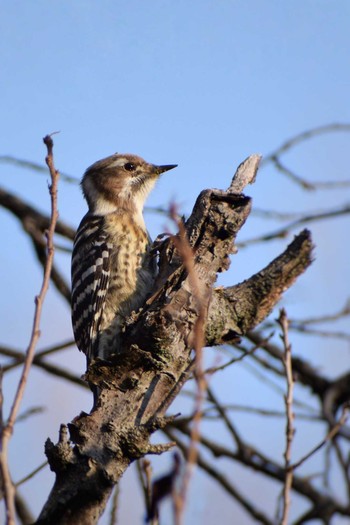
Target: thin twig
[29,412]
[9,488]
[282,233]
[40,362]
[225,418]
[182,245]
[307,375]
[34,166]
[222,480]
[31,474]
[56,348]
[320,333]
[144,471]
[331,434]
[114,511]
[304,135]
[274,157]
[275,215]
[265,379]
[24,515]
[342,461]
[250,456]
[309,417]
[287,362]
[326,318]
[245,353]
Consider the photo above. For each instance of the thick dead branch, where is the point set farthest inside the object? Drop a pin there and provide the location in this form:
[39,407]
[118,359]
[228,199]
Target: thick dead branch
[30,216]
[237,309]
[156,359]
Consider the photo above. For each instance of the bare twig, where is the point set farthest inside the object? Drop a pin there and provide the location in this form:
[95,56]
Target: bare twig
[31,474]
[186,253]
[315,332]
[331,434]
[307,375]
[287,362]
[29,412]
[34,166]
[9,488]
[222,480]
[274,157]
[301,137]
[56,348]
[343,464]
[228,423]
[281,233]
[271,413]
[276,215]
[250,456]
[326,318]
[309,416]
[24,515]
[267,380]
[144,470]
[40,362]
[114,511]
[245,353]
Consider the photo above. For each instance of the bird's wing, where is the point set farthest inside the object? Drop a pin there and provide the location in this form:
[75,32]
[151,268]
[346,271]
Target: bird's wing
[90,281]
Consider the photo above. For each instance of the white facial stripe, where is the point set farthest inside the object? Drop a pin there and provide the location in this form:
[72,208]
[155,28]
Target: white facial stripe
[118,162]
[100,205]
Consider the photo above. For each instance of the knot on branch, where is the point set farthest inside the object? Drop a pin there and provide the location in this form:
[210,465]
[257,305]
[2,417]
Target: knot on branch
[60,456]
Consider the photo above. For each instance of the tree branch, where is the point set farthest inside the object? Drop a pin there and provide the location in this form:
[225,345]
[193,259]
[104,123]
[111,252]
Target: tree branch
[155,361]
[237,309]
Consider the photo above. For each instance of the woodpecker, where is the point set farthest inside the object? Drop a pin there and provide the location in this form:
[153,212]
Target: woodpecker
[112,267]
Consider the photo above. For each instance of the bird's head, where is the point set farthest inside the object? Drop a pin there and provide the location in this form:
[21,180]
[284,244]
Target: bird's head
[120,181]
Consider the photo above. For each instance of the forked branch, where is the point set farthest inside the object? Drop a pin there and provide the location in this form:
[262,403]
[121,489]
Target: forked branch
[140,383]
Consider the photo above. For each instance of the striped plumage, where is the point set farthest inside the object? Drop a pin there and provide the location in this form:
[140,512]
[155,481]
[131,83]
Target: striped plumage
[112,268]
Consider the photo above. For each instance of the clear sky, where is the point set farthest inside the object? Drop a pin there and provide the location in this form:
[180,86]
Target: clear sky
[200,83]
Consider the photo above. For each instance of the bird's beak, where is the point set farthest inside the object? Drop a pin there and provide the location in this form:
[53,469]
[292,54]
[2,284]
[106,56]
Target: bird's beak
[162,169]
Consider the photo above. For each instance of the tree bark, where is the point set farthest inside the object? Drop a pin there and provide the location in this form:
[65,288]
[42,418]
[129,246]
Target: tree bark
[139,384]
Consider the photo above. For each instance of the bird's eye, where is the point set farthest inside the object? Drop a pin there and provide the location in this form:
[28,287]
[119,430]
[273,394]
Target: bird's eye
[129,166]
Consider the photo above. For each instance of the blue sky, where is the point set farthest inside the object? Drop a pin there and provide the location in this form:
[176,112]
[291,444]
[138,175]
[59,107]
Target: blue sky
[199,83]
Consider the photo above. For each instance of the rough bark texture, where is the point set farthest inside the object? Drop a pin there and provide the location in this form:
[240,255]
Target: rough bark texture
[141,382]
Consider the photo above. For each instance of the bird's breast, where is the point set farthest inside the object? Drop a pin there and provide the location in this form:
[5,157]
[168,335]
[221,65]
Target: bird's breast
[131,273]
